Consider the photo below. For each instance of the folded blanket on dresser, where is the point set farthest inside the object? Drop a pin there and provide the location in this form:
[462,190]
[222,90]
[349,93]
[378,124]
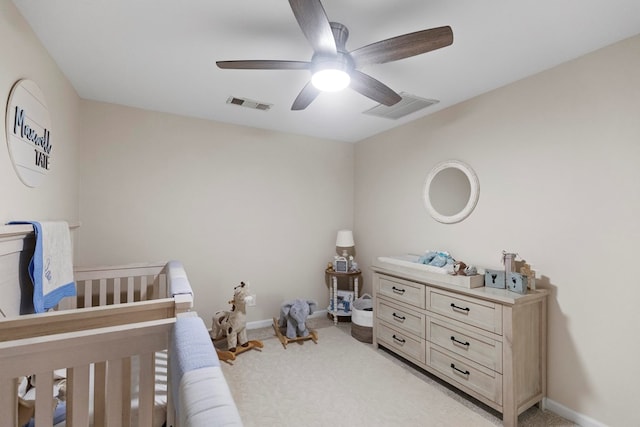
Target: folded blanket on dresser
[51,268]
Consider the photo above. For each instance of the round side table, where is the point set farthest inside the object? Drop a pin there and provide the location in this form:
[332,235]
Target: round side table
[354,278]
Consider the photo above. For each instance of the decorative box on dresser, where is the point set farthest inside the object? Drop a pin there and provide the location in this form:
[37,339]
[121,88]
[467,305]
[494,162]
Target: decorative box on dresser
[489,343]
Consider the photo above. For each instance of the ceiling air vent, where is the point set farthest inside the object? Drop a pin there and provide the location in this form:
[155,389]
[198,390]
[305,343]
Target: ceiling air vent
[407,105]
[243,102]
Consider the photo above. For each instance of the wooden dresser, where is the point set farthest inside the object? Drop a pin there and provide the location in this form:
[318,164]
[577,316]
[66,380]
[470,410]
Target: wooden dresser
[489,343]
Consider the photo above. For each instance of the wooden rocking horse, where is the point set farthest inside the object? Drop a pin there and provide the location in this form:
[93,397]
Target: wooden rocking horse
[232,325]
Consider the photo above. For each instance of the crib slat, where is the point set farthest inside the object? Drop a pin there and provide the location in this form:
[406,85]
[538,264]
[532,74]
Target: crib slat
[78,396]
[171,406]
[147,388]
[114,397]
[159,286]
[68,303]
[162,287]
[99,397]
[103,292]
[126,392]
[9,402]
[143,288]
[116,290]
[130,289]
[44,399]
[88,293]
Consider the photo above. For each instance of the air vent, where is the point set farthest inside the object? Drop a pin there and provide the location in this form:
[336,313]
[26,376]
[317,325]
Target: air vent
[407,105]
[243,102]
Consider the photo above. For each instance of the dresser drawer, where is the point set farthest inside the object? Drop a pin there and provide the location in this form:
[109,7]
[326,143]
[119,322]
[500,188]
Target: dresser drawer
[401,318]
[403,343]
[483,381]
[473,346]
[483,314]
[402,290]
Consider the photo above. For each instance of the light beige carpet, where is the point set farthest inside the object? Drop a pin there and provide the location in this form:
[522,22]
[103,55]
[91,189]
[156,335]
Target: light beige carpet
[336,382]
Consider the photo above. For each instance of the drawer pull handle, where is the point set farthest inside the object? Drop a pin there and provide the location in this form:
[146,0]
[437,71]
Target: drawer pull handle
[398,290]
[459,342]
[399,318]
[459,370]
[455,307]
[400,340]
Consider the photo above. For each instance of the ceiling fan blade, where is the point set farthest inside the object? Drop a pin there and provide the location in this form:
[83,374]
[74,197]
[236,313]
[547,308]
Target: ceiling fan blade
[404,46]
[315,25]
[305,97]
[263,65]
[373,89]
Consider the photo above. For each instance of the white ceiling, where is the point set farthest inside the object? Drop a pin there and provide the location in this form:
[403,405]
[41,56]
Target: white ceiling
[160,54]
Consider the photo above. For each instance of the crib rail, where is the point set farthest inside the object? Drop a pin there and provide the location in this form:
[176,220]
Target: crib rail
[110,350]
[56,322]
[115,285]
[120,312]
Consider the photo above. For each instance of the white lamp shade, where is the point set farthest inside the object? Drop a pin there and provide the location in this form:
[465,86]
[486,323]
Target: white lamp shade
[345,239]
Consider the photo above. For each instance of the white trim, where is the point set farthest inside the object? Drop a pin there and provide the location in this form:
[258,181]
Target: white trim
[259,324]
[268,322]
[571,415]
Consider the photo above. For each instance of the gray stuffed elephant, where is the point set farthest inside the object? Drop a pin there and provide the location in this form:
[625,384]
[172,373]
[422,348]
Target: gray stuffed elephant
[293,315]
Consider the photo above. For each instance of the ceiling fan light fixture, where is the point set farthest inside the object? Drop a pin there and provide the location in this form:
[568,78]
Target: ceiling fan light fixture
[330,80]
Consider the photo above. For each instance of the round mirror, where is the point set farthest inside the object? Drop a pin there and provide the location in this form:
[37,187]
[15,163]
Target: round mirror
[451,191]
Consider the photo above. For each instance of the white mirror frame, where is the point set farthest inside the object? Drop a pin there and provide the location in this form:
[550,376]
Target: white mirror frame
[473,196]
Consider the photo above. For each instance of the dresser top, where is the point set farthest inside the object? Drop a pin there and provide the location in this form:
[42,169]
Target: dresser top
[502,296]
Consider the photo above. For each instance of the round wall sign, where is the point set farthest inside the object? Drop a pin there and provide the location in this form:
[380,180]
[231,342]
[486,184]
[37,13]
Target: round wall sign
[28,132]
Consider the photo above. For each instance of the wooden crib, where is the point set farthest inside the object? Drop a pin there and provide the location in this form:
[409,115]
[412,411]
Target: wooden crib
[121,314]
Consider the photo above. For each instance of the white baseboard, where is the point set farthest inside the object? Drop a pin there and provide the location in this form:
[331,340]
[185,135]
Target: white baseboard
[257,324]
[571,415]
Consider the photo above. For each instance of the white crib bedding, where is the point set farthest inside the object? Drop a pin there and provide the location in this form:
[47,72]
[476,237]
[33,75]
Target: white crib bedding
[160,402]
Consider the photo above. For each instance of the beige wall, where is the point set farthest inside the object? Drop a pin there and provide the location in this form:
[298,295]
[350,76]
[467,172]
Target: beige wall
[232,203]
[23,57]
[557,157]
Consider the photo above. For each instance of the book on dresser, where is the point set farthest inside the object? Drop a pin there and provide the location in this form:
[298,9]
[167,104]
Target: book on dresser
[490,343]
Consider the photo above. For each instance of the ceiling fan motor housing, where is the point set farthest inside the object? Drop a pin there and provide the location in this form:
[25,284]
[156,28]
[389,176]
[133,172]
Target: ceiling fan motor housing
[342,61]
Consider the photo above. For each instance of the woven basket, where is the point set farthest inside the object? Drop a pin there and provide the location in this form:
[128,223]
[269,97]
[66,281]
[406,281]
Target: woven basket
[362,313]
[362,333]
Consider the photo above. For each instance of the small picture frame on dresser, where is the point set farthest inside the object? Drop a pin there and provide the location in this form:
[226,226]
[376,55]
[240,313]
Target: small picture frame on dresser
[517,283]
[341,265]
[494,279]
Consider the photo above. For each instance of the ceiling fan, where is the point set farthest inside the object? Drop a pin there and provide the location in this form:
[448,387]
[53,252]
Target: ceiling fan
[333,67]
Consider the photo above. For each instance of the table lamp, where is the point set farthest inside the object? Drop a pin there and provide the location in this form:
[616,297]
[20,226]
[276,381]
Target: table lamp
[345,248]
[344,243]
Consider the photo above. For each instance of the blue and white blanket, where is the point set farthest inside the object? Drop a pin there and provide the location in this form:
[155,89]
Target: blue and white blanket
[51,268]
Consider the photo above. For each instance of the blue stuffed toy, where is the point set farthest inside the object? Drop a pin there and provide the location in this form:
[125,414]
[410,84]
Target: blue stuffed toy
[436,259]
